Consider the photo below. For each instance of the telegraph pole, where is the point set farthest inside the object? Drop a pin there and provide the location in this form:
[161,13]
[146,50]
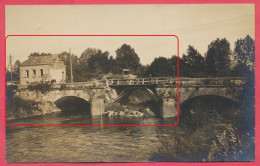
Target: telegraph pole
[11,69]
[71,75]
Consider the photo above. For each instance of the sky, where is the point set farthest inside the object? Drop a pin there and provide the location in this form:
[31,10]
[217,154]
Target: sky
[195,25]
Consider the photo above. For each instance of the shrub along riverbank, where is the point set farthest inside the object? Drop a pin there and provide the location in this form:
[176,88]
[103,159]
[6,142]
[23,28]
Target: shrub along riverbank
[18,108]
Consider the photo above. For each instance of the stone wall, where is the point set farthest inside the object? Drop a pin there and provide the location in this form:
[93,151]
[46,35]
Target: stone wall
[47,100]
[169,96]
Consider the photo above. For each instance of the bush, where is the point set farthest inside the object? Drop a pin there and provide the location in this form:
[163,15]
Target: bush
[17,106]
[212,142]
[10,91]
[42,87]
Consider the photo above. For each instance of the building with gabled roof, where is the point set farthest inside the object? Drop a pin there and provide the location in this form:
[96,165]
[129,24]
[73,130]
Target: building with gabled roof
[42,68]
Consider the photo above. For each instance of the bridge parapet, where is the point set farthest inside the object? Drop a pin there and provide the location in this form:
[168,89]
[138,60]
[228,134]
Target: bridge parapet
[97,92]
[228,81]
[221,81]
[157,81]
[75,85]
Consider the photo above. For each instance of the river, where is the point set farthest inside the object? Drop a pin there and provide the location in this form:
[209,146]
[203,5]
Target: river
[84,144]
[184,142]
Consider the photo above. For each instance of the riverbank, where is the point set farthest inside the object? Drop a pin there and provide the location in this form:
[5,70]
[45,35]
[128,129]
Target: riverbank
[17,108]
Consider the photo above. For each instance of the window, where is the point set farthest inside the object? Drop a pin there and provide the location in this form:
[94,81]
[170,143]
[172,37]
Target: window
[34,72]
[27,73]
[41,72]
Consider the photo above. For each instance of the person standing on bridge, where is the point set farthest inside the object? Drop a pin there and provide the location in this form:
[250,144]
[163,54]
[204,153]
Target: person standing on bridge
[150,77]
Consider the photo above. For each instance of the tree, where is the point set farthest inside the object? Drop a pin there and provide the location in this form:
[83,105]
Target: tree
[218,58]
[15,71]
[183,68]
[244,56]
[65,57]
[127,58]
[88,53]
[160,67]
[193,62]
[94,63]
[38,54]
[173,62]
[98,64]
[113,66]
[244,59]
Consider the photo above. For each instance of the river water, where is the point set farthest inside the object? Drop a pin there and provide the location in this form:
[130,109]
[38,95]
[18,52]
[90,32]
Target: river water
[199,137]
[84,144]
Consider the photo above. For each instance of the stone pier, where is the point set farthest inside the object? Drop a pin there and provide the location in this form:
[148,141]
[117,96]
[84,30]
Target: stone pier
[169,108]
[97,107]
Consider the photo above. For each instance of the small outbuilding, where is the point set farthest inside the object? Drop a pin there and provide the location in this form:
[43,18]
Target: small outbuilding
[42,68]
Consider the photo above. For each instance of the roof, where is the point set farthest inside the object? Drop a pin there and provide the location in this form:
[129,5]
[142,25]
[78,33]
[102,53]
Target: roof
[40,60]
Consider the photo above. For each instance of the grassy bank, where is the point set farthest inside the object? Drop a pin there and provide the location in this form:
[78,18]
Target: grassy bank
[18,108]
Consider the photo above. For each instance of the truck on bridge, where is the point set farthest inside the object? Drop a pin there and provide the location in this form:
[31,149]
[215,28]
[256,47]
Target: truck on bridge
[126,73]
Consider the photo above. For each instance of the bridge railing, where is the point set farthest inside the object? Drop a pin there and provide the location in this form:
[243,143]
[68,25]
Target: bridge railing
[140,81]
[213,81]
[183,81]
[77,85]
[173,81]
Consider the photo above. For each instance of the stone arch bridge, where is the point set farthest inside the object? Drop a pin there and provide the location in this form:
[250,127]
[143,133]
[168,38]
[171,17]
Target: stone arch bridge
[100,92]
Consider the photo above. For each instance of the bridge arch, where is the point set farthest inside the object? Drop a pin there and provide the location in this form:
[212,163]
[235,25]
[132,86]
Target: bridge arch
[231,94]
[73,104]
[56,95]
[210,98]
[201,106]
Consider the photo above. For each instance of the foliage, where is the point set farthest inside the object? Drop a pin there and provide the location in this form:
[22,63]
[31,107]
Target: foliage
[245,50]
[160,67]
[87,54]
[15,72]
[42,87]
[65,57]
[17,102]
[218,58]
[17,107]
[38,54]
[10,91]
[247,105]
[98,63]
[173,63]
[141,70]
[127,58]
[94,63]
[193,62]
[214,140]
[244,56]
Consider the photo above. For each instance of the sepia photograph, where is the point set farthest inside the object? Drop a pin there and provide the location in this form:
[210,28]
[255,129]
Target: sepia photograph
[130,83]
